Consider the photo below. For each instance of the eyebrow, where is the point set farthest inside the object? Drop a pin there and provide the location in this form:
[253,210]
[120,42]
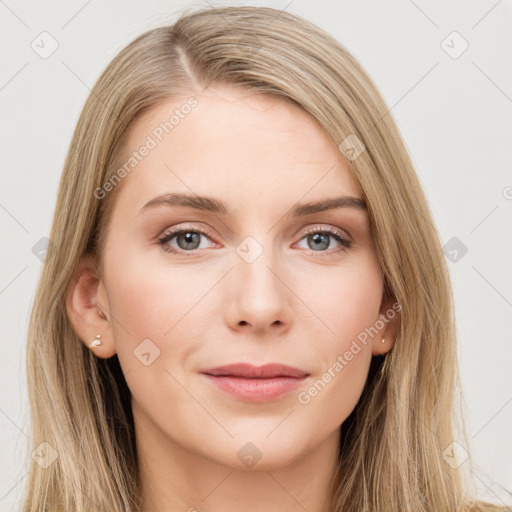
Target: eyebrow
[210,204]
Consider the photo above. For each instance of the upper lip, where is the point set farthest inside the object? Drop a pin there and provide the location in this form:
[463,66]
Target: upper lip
[249,371]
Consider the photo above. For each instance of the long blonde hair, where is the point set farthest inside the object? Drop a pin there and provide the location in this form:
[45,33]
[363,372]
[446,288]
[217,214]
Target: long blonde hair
[392,447]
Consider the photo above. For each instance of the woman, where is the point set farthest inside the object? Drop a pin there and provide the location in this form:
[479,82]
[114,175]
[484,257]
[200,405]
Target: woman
[245,302]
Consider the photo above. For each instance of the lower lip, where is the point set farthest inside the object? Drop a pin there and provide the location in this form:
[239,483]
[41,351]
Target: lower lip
[256,390]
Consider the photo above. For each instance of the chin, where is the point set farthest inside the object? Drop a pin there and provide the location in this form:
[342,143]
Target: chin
[254,453]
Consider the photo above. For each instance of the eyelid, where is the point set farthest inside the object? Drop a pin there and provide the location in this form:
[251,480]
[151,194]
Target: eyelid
[185,227]
[329,229]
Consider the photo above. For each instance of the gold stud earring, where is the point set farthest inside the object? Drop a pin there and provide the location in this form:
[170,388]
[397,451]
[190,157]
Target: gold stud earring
[97,342]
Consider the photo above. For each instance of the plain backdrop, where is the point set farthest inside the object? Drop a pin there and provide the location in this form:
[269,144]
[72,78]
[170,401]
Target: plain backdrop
[444,69]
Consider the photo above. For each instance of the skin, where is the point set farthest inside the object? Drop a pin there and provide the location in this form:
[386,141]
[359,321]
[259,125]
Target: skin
[293,304]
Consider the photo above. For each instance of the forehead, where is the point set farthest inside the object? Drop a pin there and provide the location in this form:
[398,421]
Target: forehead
[234,144]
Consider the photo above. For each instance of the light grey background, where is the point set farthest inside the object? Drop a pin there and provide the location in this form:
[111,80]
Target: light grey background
[454,113]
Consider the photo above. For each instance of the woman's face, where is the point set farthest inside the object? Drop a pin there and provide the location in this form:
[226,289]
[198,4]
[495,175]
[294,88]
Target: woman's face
[255,281]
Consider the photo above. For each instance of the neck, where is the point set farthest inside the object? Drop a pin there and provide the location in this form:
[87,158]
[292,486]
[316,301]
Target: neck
[173,477]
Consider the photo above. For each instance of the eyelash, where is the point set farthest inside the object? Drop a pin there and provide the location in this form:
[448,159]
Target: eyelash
[171,233]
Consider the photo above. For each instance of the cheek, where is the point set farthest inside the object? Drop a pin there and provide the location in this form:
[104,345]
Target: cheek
[346,299]
[334,393]
[348,304]
[155,303]
[162,303]
[149,297]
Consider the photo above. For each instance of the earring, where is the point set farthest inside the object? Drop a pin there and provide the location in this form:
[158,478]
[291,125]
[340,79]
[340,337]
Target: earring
[97,342]
[383,340]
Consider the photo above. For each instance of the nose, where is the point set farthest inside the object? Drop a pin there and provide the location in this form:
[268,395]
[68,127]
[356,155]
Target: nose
[258,297]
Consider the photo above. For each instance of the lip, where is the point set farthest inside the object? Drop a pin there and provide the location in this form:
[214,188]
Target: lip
[250,371]
[256,384]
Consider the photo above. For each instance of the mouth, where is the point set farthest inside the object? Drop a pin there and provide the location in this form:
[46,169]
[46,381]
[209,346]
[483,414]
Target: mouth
[248,371]
[256,384]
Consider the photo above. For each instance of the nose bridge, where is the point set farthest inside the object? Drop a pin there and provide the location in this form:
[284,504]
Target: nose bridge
[259,294]
[257,262]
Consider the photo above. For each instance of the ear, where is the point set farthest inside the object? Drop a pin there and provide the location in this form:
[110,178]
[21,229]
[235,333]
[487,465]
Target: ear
[86,307]
[387,325]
